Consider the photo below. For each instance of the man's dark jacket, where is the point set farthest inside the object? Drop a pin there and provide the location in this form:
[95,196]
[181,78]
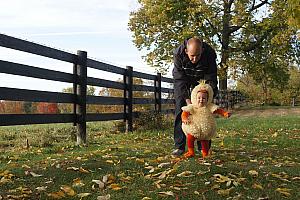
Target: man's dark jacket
[187,74]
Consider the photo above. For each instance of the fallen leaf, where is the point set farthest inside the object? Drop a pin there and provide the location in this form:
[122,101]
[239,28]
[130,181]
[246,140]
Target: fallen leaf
[42,188]
[68,190]
[115,186]
[222,179]
[35,175]
[83,170]
[105,179]
[140,160]
[25,166]
[169,193]
[57,195]
[224,192]
[253,173]
[146,198]
[73,168]
[163,175]
[163,164]
[81,195]
[106,197]
[185,174]
[100,183]
[257,186]
[77,182]
[284,191]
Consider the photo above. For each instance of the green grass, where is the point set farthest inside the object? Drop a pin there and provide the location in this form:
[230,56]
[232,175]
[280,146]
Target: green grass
[267,146]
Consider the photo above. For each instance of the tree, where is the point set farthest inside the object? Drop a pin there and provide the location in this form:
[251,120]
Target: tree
[230,26]
[68,108]
[294,84]
[27,107]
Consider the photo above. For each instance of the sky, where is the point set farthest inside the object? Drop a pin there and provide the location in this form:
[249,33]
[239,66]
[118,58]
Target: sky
[99,27]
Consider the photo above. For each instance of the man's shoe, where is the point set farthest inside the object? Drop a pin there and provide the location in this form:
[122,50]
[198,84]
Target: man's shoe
[177,152]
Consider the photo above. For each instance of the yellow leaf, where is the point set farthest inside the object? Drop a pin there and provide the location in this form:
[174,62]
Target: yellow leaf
[216,186]
[224,192]
[57,195]
[110,161]
[140,160]
[26,166]
[68,190]
[115,186]
[43,188]
[284,191]
[126,179]
[257,186]
[196,192]
[106,197]
[73,168]
[163,175]
[163,164]
[159,159]
[185,174]
[77,182]
[221,179]
[146,198]
[83,170]
[35,175]
[253,173]
[169,193]
[81,195]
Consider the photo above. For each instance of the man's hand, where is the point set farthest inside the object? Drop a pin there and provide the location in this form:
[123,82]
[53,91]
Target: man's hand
[188,101]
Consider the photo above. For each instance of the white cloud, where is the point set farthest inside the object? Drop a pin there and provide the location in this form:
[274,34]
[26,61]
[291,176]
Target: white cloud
[96,26]
[92,14]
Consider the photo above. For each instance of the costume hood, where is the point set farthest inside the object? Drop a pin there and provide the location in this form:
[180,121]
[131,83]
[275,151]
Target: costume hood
[202,86]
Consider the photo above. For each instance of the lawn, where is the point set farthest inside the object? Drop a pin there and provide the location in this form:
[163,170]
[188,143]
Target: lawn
[253,158]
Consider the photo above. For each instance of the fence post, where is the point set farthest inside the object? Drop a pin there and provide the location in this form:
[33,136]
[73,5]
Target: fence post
[75,92]
[128,81]
[81,97]
[157,85]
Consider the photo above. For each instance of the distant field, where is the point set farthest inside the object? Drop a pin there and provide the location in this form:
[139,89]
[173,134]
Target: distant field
[254,157]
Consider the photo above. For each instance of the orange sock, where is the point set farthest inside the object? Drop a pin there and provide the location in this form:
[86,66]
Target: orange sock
[205,148]
[190,142]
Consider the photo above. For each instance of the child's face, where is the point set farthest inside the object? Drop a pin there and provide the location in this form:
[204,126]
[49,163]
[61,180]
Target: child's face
[202,99]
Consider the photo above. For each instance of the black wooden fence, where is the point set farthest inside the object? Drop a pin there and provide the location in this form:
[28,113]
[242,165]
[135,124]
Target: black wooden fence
[80,81]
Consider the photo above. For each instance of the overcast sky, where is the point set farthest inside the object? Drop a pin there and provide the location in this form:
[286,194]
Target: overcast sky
[96,26]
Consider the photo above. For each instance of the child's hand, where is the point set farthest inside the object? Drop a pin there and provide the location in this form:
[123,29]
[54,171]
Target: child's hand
[186,121]
[185,117]
[227,114]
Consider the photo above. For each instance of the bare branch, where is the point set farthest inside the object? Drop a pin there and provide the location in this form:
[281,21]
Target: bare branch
[234,28]
[216,30]
[254,7]
[230,3]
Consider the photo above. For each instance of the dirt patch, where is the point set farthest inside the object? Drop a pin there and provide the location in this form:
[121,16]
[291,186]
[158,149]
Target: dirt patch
[266,112]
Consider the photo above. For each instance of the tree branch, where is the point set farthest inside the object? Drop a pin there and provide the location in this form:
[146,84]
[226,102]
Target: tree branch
[254,7]
[255,44]
[234,28]
[230,3]
[216,30]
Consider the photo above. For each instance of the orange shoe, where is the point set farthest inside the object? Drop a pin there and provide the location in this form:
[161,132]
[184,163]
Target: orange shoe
[190,153]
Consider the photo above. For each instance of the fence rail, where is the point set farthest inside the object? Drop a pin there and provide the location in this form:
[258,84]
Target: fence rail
[80,80]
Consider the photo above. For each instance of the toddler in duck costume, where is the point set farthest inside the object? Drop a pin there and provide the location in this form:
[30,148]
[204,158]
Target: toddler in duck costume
[198,122]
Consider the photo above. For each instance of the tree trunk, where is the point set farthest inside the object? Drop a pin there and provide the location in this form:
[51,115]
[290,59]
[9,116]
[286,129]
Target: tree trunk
[223,84]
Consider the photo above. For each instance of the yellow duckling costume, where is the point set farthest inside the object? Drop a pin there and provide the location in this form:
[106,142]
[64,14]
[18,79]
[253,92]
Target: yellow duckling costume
[198,121]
